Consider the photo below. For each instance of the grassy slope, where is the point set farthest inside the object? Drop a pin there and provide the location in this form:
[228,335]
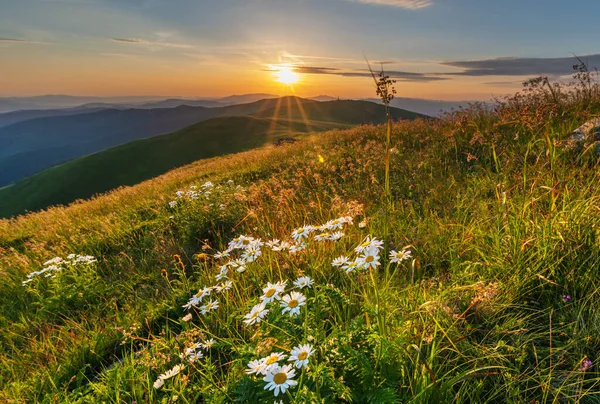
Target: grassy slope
[500,227]
[139,160]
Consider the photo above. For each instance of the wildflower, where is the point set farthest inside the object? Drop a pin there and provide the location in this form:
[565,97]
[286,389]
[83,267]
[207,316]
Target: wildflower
[226,285]
[303,282]
[187,317]
[300,355]
[222,273]
[251,254]
[274,244]
[280,378]
[172,204]
[585,365]
[193,302]
[273,359]
[302,232]
[192,354]
[221,254]
[351,266]
[207,185]
[211,305]
[369,243]
[292,302]
[340,261]
[239,265]
[207,344]
[566,298]
[369,258]
[297,247]
[158,383]
[399,256]
[323,236]
[257,366]
[257,313]
[273,291]
[334,224]
[363,224]
[336,236]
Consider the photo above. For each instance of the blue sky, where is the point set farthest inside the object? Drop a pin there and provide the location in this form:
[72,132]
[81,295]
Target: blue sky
[436,48]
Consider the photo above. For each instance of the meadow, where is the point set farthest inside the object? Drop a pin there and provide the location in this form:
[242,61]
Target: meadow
[287,274]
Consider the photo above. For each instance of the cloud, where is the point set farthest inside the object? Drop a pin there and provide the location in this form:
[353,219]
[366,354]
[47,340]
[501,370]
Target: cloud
[409,4]
[397,75]
[18,40]
[135,41]
[513,66]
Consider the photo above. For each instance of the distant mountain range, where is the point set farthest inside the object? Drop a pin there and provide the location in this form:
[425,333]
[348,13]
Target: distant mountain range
[74,103]
[30,146]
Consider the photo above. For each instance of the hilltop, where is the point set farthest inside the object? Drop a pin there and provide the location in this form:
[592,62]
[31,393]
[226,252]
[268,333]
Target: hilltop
[491,295]
[29,147]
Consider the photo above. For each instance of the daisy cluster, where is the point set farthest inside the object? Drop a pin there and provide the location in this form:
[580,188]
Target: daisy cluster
[57,264]
[367,256]
[280,377]
[204,191]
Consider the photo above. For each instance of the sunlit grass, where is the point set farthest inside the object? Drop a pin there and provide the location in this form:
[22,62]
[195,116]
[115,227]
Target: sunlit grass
[501,224]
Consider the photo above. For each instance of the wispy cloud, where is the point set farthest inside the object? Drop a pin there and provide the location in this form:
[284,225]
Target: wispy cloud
[18,41]
[135,41]
[518,66]
[397,75]
[409,4]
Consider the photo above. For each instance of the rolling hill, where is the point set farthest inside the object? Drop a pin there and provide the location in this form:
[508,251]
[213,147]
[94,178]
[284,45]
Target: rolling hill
[142,159]
[34,145]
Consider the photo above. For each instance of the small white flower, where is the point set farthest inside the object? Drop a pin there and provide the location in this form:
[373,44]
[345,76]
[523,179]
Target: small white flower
[336,236]
[280,378]
[172,204]
[303,282]
[257,366]
[322,236]
[222,273]
[369,243]
[302,232]
[297,247]
[257,313]
[221,254]
[211,305]
[273,291]
[300,355]
[369,258]
[207,344]
[363,224]
[351,266]
[399,256]
[340,261]
[292,302]
[158,383]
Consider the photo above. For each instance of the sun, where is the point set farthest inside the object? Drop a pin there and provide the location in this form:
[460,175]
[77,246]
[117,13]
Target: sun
[286,75]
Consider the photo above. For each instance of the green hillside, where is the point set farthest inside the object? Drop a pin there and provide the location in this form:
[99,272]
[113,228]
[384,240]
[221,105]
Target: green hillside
[139,160]
[475,281]
[142,159]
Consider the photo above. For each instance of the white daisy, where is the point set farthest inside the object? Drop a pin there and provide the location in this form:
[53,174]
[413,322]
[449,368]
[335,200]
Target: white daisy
[257,366]
[172,204]
[257,313]
[207,344]
[222,273]
[211,305]
[273,359]
[369,258]
[350,266]
[399,256]
[300,355]
[273,291]
[280,378]
[302,232]
[297,247]
[340,261]
[336,236]
[322,236]
[292,302]
[221,254]
[369,243]
[303,282]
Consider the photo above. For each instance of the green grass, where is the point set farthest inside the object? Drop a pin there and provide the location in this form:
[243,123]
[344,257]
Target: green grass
[501,218]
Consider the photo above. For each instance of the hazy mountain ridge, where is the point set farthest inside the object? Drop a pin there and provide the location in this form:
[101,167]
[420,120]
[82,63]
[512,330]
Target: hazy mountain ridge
[240,127]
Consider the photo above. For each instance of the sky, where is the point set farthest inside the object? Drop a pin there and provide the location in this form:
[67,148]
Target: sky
[439,49]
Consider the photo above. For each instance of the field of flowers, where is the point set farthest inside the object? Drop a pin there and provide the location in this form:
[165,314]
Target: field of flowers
[285,274]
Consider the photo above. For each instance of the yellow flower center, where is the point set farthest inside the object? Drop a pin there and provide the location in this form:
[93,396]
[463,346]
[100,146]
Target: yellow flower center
[293,303]
[272,359]
[246,242]
[370,258]
[365,244]
[302,356]
[280,378]
[400,255]
[270,292]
